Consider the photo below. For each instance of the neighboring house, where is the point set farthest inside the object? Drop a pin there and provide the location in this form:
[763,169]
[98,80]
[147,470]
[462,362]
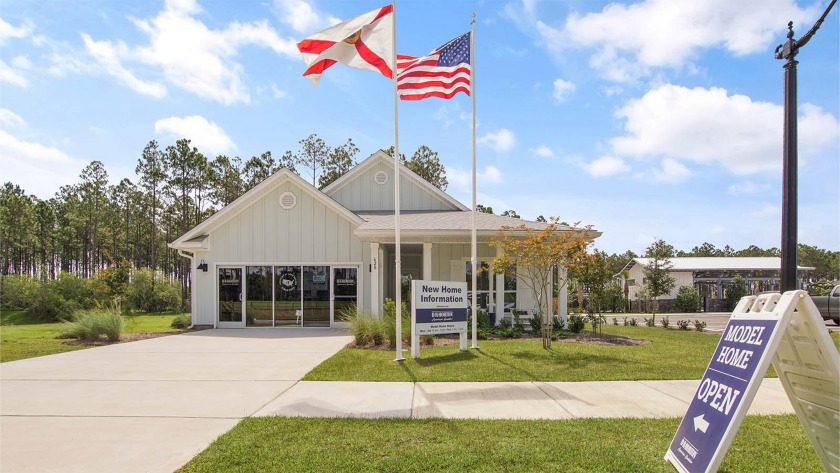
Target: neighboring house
[710,275]
[288,254]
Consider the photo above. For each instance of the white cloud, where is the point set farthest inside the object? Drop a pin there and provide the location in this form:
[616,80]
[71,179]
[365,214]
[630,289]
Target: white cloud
[542,151]
[36,168]
[108,54]
[671,172]
[767,210]
[205,135]
[277,92]
[10,118]
[302,17]
[462,178]
[631,39]
[562,88]
[22,31]
[11,75]
[500,140]
[746,188]
[188,54]
[606,166]
[710,126]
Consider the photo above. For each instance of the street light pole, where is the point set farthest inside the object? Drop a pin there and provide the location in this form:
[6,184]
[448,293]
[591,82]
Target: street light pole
[788,52]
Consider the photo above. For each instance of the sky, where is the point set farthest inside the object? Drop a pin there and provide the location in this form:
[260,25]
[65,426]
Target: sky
[645,119]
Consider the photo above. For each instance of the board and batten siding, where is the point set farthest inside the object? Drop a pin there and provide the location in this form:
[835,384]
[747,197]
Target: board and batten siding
[364,194]
[266,234]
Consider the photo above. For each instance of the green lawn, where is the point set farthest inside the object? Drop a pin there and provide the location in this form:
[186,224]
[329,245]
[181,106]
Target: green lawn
[764,443]
[22,338]
[670,355]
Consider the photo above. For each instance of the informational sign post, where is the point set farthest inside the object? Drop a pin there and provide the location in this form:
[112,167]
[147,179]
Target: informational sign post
[437,307]
[757,329]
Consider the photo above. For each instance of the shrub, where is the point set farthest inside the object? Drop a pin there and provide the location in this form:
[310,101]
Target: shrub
[92,325]
[682,324]
[735,291]
[483,318]
[17,292]
[536,324]
[48,306]
[576,323]
[650,322]
[390,323]
[366,328]
[665,322]
[699,326]
[633,322]
[81,291]
[150,292]
[688,299]
[615,321]
[181,321]
[427,340]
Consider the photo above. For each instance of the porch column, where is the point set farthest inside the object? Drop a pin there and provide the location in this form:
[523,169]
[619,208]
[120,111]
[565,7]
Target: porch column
[563,297]
[499,296]
[427,262]
[375,268]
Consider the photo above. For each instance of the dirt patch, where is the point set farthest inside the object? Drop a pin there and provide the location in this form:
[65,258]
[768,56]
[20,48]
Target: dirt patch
[583,337]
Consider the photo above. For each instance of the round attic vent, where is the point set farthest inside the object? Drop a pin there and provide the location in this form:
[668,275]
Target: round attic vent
[381,177]
[288,201]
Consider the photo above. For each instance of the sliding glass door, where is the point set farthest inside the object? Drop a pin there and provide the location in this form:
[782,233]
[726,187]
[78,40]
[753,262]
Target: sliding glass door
[259,296]
[287,292]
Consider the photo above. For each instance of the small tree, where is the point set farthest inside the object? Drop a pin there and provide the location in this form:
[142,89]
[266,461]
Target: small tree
[735,291]
[688,299]
[538,254]
[658,280]
[313,154]
[594,275]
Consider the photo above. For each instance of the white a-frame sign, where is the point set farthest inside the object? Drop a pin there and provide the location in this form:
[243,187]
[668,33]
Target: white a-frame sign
[788,330]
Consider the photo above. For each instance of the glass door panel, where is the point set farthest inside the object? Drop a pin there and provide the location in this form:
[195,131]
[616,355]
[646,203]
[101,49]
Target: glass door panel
[258,299]
[230,297]
[345,290]
[287,292]
[316,296]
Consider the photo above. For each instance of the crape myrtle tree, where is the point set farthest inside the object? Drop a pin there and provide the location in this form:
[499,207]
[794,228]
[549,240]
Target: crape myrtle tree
[594,276]
[541,255]
[658,279]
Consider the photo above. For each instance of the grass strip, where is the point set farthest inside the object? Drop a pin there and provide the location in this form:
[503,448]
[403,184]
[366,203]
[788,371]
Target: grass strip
[764,443]
[21,337]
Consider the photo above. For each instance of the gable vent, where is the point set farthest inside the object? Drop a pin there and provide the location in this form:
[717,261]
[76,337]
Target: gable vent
[288,201]
[381,177]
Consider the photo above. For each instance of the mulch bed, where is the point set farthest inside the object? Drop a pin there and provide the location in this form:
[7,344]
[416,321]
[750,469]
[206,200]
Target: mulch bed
[126,337]
[583,337]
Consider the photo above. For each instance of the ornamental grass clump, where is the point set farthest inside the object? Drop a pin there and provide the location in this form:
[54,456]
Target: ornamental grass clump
[92,325]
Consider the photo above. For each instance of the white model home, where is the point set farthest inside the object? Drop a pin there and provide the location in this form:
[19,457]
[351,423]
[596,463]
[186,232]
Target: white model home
[288,254]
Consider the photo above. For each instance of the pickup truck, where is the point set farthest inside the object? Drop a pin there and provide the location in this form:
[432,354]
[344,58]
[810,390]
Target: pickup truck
[829,306]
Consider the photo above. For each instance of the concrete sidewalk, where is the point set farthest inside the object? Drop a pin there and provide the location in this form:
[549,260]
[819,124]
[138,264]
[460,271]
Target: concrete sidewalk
[151,405]
[504,400]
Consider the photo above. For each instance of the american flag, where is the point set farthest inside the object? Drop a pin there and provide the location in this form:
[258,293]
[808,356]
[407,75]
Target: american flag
[443,73]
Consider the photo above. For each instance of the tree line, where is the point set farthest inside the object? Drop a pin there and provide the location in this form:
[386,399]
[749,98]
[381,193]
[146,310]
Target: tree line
[90,225]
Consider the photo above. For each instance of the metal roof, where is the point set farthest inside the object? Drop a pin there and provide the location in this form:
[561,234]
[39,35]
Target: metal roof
[723,263]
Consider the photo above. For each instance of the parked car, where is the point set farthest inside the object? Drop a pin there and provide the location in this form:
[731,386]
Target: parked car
[829,305]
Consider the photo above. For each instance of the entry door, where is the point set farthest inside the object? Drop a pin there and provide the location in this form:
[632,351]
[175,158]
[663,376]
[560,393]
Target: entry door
[345,291]
[230,305]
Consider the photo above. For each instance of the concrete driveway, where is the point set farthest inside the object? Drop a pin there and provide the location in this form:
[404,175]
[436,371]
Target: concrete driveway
[150,405]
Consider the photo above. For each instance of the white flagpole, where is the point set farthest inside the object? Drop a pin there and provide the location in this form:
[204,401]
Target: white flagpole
[398,262]
[473,242]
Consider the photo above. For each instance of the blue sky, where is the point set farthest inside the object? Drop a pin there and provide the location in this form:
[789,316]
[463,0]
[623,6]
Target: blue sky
[647,119]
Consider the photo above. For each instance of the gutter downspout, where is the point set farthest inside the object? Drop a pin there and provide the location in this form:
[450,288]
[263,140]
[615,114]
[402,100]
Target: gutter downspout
[190,257]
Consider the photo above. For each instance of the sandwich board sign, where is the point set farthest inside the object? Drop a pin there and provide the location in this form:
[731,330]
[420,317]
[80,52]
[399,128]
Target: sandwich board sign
[787,330]
[437,307]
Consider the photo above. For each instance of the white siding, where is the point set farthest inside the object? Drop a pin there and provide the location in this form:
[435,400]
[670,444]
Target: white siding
[264,233]
[363,194]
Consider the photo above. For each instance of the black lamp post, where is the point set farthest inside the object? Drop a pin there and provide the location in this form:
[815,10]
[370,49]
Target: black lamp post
[788,51]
